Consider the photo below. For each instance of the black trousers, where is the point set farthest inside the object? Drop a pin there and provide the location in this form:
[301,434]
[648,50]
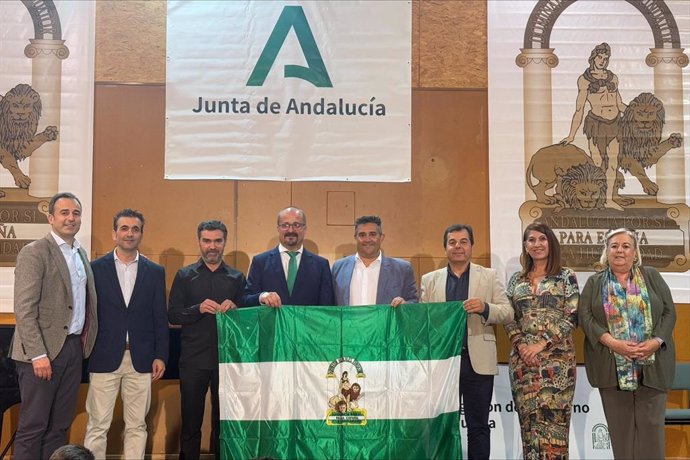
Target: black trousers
[48,406]
[475,396]
[194,384]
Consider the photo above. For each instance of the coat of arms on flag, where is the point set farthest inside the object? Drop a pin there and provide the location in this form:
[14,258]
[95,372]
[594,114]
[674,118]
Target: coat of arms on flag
[346,407]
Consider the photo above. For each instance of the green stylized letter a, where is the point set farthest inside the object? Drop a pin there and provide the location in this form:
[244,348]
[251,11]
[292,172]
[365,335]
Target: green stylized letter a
[315,73]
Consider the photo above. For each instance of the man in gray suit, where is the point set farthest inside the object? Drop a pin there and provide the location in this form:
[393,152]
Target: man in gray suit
[368,277]
[55,311]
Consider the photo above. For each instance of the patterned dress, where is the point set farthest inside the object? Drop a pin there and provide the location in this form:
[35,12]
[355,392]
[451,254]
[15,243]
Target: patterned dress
[544,395]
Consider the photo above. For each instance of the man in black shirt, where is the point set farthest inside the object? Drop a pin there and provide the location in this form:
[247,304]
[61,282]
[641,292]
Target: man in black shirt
[198,293]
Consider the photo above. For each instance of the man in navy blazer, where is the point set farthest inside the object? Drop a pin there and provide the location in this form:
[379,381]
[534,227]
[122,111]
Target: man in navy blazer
[368,277]
[289,274]
[131,349]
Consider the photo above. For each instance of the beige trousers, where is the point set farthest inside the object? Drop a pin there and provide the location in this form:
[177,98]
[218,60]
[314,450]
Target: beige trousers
[100,403]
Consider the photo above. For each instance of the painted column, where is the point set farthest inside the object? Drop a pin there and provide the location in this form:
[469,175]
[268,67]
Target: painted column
[668,87]
[46,79]
[536,64]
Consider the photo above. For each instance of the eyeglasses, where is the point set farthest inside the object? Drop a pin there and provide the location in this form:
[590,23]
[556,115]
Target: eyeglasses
[295,225]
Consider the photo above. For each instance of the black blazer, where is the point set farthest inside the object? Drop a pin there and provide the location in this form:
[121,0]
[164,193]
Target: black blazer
[145,319]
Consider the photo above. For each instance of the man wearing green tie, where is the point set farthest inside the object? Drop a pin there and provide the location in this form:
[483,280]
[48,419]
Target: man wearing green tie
[289,274]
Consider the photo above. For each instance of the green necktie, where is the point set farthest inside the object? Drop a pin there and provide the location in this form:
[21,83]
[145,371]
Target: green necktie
[292,270]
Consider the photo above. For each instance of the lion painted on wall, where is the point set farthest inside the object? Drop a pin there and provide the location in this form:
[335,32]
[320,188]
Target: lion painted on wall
[583,187]
[570,175]
[640,143]
[20,111]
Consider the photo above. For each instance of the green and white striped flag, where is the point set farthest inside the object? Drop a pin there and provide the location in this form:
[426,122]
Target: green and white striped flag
[341,382]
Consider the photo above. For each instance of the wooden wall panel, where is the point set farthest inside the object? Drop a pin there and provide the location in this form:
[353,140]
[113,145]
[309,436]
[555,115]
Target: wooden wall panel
[681,332]
[416,31]
[449,185]
[128,172]
[448,42]
[452,44]
[130,41]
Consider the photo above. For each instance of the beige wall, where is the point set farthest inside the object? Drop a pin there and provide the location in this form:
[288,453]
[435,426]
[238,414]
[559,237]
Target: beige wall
[449,172]
[449,185]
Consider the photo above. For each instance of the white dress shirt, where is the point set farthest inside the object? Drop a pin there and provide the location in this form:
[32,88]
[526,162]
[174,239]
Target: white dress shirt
[365,281]
[77,275]
[126,276]
[285,258]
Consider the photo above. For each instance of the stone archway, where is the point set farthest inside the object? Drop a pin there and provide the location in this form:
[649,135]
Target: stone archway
[537,58]
[45,18]
[47,50]
[546,12]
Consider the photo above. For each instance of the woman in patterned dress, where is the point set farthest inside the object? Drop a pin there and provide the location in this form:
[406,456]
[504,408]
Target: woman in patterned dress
[544,296]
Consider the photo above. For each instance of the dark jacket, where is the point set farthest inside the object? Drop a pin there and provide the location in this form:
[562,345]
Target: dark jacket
[145,319]
[313,285]
[599,361]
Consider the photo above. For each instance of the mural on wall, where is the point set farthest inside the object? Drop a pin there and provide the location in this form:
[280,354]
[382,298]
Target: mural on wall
[581,190]
[20,111]
[46,121]
[23,109]
[588,130]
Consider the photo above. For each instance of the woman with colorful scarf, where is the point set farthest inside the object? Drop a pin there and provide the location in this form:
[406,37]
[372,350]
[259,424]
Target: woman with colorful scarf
[627,313]
[544,295]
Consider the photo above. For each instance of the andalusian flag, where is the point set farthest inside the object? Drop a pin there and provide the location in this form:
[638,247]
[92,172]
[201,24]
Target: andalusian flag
[341,382]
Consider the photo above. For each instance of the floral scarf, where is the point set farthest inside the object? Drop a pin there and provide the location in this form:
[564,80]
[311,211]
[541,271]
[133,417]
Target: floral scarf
[629,317]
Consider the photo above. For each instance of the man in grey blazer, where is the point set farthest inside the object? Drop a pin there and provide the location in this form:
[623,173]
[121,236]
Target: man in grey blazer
[368,277]
[484,300]
[56,325]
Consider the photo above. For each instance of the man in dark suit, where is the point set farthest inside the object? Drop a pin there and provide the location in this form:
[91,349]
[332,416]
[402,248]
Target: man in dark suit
[56,325]
[289,274]
[199,292]
[132,345]
[368,277]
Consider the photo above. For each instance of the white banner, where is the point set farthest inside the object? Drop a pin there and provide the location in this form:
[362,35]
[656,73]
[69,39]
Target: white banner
[589,125]
[589,435]
[46,125]
[289,90]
